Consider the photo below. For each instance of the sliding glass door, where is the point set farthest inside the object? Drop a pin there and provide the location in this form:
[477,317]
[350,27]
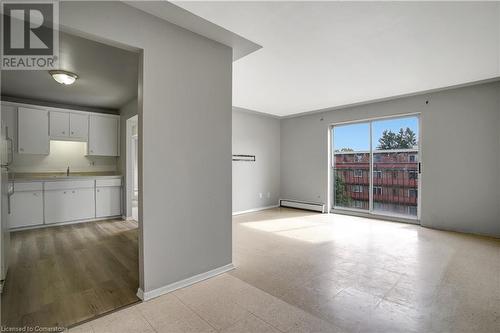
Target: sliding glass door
[375,166]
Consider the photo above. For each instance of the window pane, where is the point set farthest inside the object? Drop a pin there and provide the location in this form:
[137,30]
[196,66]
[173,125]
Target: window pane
[355,137]
[395,170]
[352,165]
[399,133]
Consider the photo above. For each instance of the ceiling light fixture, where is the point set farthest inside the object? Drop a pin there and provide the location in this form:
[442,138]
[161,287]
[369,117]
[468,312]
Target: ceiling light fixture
[63,77]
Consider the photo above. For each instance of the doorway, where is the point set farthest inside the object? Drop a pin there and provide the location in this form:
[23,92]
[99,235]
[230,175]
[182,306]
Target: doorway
[132,170]
[376,167]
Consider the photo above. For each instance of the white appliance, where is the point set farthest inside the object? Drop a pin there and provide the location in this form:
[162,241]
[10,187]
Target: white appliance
[6,155]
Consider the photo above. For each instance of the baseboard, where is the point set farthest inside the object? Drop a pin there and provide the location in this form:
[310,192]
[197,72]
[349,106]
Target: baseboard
[183,283]
[254,210]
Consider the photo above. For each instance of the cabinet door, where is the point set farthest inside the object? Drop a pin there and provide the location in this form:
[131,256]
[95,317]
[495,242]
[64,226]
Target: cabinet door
[33,131]
[57,206]
[79,126]
[108,201]
[82,204]
[26,209]
[103,135]
[69,205]
[59,124]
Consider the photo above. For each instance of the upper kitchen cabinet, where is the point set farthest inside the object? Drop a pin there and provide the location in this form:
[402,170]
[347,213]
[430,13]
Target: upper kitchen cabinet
[79,126]
[69,126]
[33,131]
[59,125]
[103,135]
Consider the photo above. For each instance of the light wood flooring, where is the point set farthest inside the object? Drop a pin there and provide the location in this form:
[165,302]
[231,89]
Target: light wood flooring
[60,276]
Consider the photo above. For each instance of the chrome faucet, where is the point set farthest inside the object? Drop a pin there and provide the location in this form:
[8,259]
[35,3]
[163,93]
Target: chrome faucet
[67,171]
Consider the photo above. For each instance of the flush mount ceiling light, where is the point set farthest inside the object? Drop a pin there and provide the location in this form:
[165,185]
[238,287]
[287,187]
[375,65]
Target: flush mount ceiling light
[63,77]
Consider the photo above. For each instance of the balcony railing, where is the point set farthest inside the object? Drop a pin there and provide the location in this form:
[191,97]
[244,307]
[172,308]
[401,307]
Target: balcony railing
[395,181]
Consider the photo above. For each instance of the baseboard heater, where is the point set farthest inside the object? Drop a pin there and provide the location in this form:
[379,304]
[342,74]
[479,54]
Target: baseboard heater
[314,206]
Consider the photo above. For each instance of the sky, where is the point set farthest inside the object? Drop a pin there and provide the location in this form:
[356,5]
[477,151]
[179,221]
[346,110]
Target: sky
[357,136]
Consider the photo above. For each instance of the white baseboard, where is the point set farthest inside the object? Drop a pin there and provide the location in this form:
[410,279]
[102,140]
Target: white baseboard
[183,283]
[254,210]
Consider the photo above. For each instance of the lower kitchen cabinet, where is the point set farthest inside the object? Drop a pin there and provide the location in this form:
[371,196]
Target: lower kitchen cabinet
[26,205]
[69,201]
[108,194]
[49,202]
[107,201]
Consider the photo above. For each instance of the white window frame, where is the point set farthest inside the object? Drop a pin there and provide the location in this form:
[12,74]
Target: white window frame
[356,171]
[356,186]
[377,188]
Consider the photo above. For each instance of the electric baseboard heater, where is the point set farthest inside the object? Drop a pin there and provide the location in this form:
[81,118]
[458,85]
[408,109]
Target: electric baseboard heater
[314,206]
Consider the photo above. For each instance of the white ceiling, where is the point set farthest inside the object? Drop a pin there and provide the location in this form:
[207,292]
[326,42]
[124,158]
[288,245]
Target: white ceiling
[321,55]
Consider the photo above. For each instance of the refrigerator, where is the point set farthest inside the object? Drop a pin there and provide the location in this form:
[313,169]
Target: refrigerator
[6,156]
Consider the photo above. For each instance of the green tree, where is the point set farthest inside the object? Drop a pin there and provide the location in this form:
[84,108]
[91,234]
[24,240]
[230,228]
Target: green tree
[341,197]
[344,150]
[404,139]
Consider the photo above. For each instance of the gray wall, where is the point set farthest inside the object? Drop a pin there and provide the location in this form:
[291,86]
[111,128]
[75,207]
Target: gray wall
[259,135]
[460,155]
[185,130]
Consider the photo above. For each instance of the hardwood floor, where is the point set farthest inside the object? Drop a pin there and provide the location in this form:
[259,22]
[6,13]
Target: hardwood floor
[60,276]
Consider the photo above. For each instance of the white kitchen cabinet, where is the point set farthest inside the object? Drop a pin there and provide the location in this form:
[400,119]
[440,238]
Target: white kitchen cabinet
[69,201]
[33,131]
[78,126]
[103,135]
[108,201]
[59,124]
[108,197]
[26,205]
[69,126]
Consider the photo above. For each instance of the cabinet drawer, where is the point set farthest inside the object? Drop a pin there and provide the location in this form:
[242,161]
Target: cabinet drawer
[69,184]
[28,186]
[108,182]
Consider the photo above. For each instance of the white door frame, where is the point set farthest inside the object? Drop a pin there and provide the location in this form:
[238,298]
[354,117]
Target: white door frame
[129,192]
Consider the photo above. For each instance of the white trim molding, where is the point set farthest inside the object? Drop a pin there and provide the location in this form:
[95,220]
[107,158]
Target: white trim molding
[254,209]
[145,296]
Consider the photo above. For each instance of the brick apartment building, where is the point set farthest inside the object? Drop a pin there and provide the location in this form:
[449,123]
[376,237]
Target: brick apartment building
[395,181]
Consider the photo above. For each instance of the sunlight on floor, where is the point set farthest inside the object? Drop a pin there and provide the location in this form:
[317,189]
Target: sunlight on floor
[321,228]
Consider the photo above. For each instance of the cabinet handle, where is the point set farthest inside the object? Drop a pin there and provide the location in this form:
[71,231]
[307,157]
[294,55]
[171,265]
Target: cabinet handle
[64,132]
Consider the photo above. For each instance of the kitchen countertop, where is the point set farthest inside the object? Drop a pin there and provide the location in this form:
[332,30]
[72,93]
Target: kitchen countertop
[56,176]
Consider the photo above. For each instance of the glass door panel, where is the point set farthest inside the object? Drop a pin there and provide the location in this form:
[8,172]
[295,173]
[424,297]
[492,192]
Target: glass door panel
[395,166]
[351,166]
[375,166]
